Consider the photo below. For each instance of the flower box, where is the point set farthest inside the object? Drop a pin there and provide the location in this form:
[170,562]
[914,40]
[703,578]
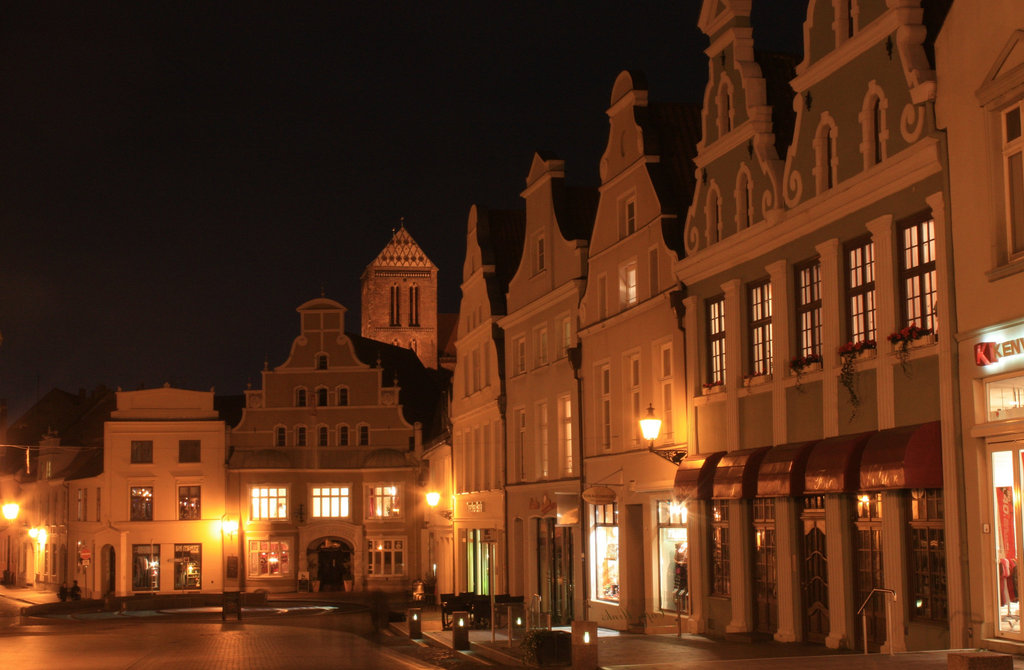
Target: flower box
[756,380]
[712,389]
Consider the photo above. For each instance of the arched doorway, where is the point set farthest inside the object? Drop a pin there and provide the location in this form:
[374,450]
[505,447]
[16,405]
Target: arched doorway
[108,570]
[330,563]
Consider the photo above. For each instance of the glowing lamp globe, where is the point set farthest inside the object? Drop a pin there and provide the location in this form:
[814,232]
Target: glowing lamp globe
[11,511]
[433,497]
[649,425]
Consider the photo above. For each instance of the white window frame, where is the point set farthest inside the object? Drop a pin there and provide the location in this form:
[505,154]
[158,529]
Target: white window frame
[337,498]
[268,502]
[378,547]
[389,506]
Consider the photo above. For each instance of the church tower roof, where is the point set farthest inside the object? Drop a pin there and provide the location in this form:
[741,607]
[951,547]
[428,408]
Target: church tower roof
[402,252]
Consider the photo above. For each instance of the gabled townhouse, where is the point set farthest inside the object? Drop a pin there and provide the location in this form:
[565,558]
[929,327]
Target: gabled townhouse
[632,360]
[544,458]
[494,242]
[325,464]
[819,338]
[979,104]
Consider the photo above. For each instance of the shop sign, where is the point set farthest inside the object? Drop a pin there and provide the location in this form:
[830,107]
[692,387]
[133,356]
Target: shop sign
[988,353]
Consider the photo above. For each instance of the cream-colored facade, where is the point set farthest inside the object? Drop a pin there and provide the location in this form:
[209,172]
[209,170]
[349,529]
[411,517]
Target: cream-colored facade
[151,522]
[493,240]
[980,90]
[544,456]
[632,348]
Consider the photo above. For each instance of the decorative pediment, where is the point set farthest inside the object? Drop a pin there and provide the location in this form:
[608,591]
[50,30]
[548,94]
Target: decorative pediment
[1006,74]
[403,252]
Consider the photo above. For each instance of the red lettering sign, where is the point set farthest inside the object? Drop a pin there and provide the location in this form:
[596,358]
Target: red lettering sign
[985,353]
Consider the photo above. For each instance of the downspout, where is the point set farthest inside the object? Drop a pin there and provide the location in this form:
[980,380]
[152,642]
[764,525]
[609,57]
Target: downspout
[575,356]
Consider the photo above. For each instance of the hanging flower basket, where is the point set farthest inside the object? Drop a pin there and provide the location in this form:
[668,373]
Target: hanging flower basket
[848,353]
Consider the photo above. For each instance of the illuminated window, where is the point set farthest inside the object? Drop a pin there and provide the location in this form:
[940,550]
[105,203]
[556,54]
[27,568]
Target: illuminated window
[627,285]
[385,556]
[860,290]
[673,556]
[142,451]
[760,316]
[268,502]
[605,571]
[330,502]
[384,502]
[808,308]
[1005,398]
[720,581]
[269,558]
[188,565]
[189,503]
[716,340]
[142,503]
[917,270]
[145,567]
[565,433]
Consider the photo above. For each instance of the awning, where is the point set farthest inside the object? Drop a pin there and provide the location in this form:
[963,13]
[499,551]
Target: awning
[694,477]
[908,457]
[782,470]
[736,476]
[834,464]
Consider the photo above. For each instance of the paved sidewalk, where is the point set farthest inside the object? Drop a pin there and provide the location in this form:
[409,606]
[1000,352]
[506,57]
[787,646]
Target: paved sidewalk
[623,651]
[28,595]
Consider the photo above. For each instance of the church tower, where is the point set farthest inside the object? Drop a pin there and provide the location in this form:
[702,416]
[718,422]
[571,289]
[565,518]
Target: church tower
[399,298]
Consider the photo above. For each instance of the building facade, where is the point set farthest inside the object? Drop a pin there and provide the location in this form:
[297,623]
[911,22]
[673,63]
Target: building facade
[494,242]
[544,457]
[631,344]
[819,339]
[980,65]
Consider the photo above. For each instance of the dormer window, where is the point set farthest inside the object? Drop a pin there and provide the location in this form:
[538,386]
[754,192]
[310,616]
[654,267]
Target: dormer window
[321,362]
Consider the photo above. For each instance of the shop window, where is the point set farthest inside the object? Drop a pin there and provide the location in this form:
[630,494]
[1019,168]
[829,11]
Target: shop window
[269,558]
[383,502]
[860,290]
[917,270]
[928,598]
[716,340]
[142,503]
[759,295]
[330,502]
[606,552]
[268,502]
[145,567]
[673,557]
[1005,398]
[189,451]
[188,562]
[868,571]
[766,607]
[142,451]
[719,545]
[385,556]
[1006,536]
[808,308]
[189,507]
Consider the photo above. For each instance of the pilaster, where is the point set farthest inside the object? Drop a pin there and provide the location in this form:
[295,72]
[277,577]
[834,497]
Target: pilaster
[740,568]
[839,544]
[787,537]
[734,349]
[780,278]
[831,335]
[886,316]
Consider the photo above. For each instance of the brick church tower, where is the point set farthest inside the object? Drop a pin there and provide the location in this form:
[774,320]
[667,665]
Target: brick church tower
[399,298]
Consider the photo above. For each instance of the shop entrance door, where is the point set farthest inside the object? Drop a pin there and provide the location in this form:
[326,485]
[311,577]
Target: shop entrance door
[334,565]
[554,570]
[766,605]
[815,571]
[1006,501]
[868,573]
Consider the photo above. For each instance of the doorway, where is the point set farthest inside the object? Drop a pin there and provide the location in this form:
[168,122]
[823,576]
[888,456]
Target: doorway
[815,571]
[108,570]
[554,570]
[330,563]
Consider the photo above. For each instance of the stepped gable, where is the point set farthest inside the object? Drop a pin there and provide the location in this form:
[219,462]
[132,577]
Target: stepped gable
[778,69]
[677,127]
[402,252]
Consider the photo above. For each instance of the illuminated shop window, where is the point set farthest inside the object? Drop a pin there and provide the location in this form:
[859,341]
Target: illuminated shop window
[605,573]
[673,556]
[1005,398]
[145,567]
[385,556]
[384,502]
[720,581]
[188,564]
[142,503]
[268,558]
[269,502]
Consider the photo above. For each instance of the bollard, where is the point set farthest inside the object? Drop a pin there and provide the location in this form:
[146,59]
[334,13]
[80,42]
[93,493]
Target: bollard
[460,631]
[414,617]
[516,623]
[584,645]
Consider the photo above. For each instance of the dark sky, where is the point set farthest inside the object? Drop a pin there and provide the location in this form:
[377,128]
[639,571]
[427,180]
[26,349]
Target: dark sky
[177,177]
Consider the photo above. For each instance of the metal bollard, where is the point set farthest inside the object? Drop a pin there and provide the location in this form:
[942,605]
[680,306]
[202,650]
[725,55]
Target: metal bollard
[414,617]
[460,631]
[584,645]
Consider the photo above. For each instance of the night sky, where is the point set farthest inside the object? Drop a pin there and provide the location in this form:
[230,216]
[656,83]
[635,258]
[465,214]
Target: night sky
[176,178]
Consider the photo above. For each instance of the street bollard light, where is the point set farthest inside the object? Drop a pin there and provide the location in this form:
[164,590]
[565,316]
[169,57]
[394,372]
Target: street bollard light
[460,631]
[584,645]
[415,619]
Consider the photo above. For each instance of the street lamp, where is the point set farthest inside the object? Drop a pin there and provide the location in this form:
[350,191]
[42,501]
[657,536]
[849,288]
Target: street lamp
[650,426]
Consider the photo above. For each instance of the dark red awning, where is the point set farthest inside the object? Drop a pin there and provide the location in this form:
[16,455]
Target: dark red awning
[736,476]
[694,477]
[782,470]
[908,457]
[834,464]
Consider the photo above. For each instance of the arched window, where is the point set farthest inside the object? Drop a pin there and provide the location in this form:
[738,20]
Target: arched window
[724,106]
[321,397]
[300,397]
[300,436]
[414,305]
[744,201]
[321,362]
[826,162]
[876,122]
[321,438]
[395,312]
[364,435]
[342,395]
[342,435]
[280,438]
[874,134]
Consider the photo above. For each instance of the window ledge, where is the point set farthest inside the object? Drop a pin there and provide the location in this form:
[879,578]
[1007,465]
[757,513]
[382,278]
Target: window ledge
[1006,270]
